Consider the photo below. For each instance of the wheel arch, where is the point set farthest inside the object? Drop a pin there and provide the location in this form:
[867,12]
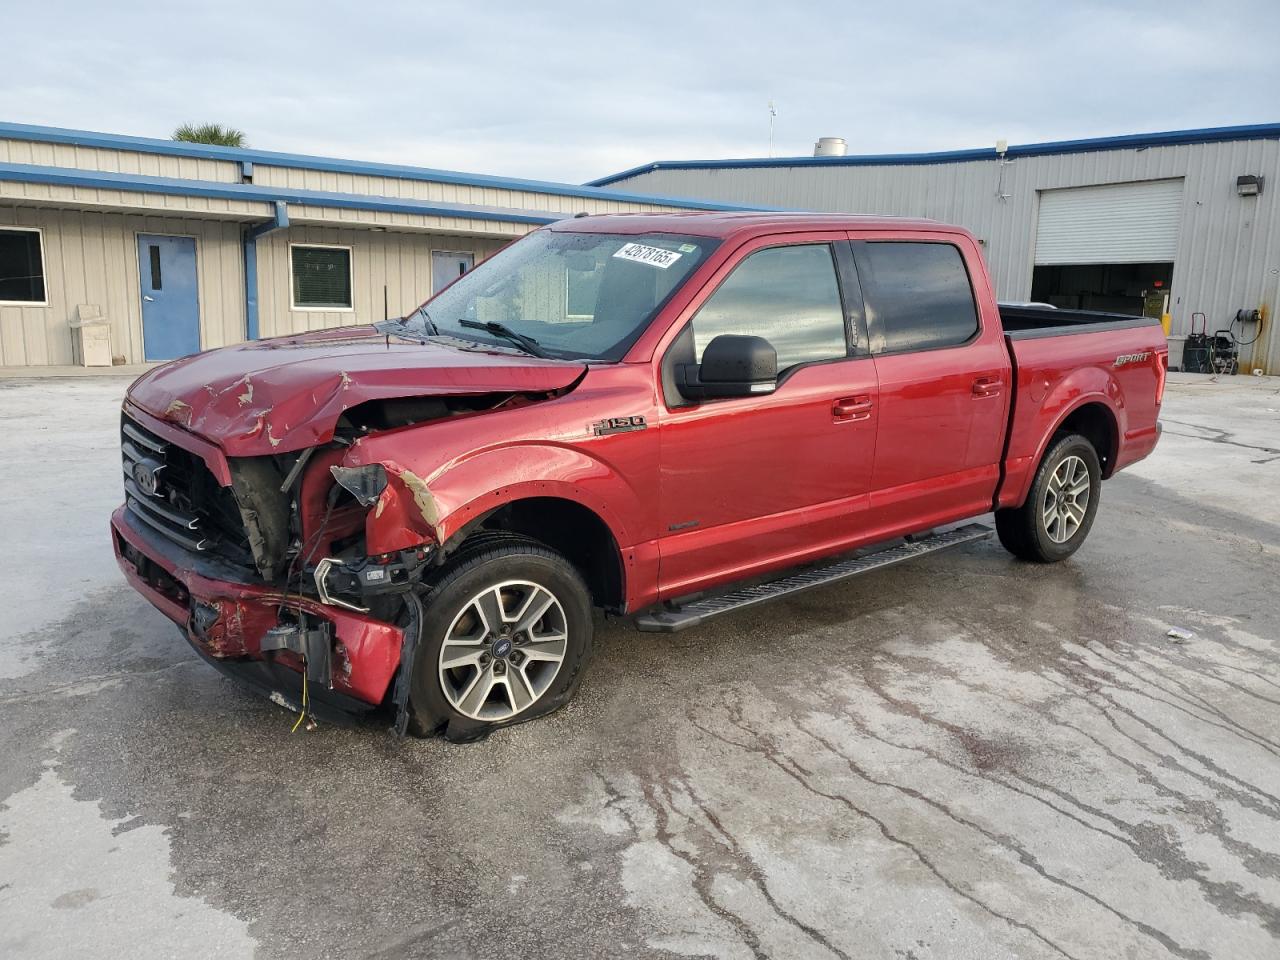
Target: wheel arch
[1092,413]
[1096,422]
[565,525]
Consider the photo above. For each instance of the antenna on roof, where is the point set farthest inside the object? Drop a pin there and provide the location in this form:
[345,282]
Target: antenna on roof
[772,113]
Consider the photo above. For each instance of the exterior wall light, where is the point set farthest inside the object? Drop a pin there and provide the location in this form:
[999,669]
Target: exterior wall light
[1249,185]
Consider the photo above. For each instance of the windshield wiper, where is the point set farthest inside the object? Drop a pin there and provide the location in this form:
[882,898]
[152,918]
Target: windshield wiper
[528,344]
[400,325]
[430,324]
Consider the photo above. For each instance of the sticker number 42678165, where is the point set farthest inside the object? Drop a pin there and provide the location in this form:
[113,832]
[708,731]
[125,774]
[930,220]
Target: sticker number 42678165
[654,256]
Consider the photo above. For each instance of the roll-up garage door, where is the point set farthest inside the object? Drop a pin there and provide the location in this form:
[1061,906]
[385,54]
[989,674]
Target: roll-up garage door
[1117,223]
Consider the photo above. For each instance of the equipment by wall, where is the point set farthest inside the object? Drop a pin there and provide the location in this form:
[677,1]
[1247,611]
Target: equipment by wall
[1227,342]
[1219,353]
[90,337]
[1224,357]
[1195,352]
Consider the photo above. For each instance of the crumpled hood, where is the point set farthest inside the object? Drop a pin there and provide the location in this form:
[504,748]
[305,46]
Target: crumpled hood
[285,394]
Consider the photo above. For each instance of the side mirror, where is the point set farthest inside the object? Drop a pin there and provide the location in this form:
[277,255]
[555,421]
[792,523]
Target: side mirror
[732,365]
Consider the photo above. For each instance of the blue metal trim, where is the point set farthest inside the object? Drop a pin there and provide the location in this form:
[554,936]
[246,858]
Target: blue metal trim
[279,223]
[110,141]
[1138,141]
[138,183]
[249,244]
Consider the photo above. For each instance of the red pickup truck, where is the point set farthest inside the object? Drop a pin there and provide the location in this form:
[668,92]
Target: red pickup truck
[668,416]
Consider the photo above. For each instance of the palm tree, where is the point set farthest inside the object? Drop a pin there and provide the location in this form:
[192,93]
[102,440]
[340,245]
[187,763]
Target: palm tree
[214,133]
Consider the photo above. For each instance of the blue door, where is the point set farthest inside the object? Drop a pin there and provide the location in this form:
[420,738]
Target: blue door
[170,302]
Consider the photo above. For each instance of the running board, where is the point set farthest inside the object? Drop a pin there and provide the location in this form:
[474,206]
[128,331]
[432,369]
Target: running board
[692,614]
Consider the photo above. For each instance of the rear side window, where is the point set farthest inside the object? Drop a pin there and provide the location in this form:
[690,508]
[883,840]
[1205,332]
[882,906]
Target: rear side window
[920,293]
[788,295]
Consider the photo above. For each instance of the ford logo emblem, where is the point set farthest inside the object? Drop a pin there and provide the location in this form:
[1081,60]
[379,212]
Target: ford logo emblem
[146,474]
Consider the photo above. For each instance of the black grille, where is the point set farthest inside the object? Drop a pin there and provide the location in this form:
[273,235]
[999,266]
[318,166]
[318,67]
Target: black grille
[172,491]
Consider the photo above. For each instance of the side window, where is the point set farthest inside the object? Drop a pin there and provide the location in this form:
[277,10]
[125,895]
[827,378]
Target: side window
[920,293]
[788,295]
[321,277]
[21,266]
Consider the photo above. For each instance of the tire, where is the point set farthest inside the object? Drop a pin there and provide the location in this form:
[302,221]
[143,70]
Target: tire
[486,656]
[1053,522]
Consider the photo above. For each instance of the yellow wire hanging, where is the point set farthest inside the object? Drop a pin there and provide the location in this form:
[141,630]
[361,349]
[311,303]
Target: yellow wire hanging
[302,714]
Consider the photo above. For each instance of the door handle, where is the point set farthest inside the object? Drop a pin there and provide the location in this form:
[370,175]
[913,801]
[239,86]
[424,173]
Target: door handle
[149,299]
[987,387]
[852,408]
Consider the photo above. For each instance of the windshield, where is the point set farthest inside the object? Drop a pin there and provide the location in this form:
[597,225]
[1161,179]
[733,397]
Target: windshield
[580,295]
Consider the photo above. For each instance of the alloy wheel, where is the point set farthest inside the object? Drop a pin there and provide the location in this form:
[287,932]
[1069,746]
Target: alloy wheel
[1066,499]
[503,650]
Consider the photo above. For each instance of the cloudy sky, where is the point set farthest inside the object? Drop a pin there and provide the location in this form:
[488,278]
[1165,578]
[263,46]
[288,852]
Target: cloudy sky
[572,91]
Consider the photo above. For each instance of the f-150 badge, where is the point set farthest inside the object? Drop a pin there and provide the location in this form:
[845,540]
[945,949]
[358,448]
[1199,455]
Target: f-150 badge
[603,428]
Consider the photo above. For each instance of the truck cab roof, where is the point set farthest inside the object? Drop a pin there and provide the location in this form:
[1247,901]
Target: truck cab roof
[743,225]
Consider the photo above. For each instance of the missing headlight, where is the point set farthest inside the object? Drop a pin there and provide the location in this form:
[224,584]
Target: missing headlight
[364,483]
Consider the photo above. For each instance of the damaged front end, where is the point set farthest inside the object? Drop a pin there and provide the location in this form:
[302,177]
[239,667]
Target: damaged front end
[296,572]
[269,517]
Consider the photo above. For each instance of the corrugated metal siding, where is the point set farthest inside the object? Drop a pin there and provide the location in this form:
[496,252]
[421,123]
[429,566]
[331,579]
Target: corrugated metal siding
[1228,254]
[90,245]
[91,257]
[119,201]
[366,219]
[1117,223]
[400,261]
[225,171]
[269,176]
[117,161]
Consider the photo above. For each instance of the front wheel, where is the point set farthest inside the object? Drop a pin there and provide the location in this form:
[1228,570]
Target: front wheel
[1059,510]
[506,635]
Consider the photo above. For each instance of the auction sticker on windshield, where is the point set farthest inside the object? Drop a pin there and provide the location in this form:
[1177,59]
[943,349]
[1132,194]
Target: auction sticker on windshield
[654,256]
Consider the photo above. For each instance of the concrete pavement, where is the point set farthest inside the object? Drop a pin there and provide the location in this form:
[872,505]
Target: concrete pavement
[964,756]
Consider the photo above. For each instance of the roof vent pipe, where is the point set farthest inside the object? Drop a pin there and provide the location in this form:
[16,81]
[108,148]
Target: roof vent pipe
[830,147]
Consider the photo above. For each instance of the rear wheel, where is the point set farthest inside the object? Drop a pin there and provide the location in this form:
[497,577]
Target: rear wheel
[505,636]
[1059,510]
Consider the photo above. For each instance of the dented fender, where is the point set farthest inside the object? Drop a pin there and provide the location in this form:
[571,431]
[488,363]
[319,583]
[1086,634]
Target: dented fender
[404,515]
[417,507]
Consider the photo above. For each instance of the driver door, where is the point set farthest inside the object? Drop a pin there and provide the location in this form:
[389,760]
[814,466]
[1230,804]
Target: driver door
[751,484]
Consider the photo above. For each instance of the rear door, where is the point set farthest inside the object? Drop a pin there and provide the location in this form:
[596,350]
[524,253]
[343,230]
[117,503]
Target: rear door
[755,483]
[944,377]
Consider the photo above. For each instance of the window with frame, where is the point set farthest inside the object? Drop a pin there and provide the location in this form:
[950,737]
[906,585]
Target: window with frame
[21,266]
[920,293]
[321,277]
[787,295]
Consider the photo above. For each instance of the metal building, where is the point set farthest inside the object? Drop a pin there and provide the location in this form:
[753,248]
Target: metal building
[1185,223]
[169,248]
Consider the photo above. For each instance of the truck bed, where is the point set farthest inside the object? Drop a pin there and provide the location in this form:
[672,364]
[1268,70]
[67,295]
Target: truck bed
[1023,322]
[1053,365]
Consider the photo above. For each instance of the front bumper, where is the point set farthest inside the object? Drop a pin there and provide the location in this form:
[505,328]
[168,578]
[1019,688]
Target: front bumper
[226,620]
